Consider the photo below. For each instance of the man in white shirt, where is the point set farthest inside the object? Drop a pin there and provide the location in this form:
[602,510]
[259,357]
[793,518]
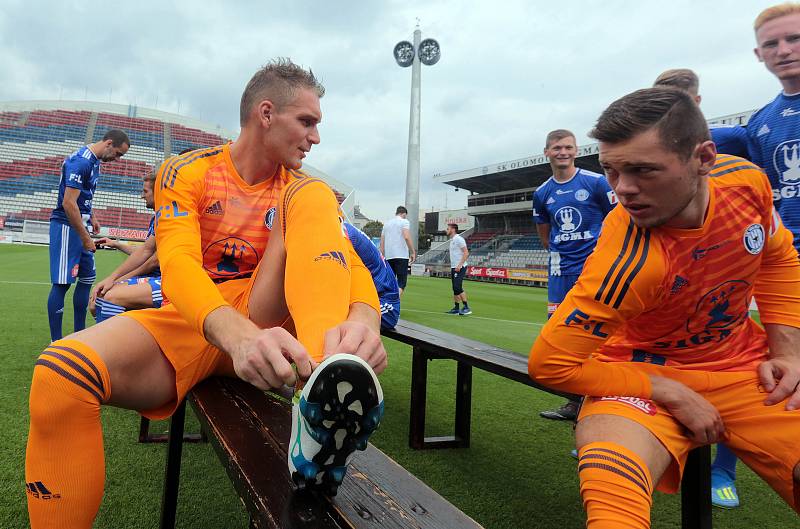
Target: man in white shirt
[458,269]
[397,247]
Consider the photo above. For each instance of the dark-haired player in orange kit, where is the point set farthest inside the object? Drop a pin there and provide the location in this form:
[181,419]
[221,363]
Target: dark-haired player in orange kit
[657,334]
[246,244]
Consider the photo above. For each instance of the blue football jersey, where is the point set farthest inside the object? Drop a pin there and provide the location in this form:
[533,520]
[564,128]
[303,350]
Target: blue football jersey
[575,211]
[80,171]
[774,134]
[151,232]
[382,275]
[731,139]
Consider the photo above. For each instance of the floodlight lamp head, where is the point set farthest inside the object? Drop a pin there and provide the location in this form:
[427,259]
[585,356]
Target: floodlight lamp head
[404,53]
[429,52]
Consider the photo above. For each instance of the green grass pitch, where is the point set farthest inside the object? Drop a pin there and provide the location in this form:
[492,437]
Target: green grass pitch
[517,472]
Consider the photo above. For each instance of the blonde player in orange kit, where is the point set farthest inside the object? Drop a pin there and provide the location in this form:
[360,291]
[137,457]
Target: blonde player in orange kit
[246,243]
[657,333]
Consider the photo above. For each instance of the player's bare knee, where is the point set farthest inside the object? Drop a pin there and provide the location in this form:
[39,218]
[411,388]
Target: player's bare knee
[115,296]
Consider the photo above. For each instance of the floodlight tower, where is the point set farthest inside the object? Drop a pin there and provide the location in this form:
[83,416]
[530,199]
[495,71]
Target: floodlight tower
[407,54]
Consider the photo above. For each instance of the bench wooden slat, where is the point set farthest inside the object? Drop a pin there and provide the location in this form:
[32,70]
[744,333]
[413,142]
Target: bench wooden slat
[483,356]
[251,430]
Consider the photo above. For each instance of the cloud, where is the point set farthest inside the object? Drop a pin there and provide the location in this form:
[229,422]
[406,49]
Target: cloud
[509,72]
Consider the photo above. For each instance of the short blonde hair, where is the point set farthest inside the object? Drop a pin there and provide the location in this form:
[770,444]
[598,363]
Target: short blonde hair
[557,135]
[771,13]
[682,78]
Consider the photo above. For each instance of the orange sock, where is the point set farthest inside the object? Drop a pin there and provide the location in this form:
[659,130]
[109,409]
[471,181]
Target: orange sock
[318,262]
[64,463]
[615,487]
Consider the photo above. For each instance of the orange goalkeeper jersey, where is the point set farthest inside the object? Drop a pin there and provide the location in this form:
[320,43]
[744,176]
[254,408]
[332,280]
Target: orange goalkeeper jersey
[211,226]
[675,297]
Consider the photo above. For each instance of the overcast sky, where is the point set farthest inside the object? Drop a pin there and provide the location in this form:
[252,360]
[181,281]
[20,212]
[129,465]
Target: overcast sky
[509,72]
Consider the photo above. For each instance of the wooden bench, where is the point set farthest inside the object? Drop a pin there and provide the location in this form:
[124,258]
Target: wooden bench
[431,344]
[250,431]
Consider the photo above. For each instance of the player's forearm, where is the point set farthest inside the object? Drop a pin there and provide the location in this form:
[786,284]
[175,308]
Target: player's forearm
[75,220]
[578,373]
[145,269]
[366,314]
[544,235]
[135,260]
[411,251]
[783,341]
[127,249]
[189,288]
[226,328]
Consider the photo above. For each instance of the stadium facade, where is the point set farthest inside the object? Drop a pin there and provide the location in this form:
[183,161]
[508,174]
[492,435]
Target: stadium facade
[36,136]
[503,245]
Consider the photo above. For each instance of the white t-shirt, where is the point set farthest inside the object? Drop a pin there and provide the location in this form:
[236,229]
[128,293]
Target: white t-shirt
[394,245]
[457,245]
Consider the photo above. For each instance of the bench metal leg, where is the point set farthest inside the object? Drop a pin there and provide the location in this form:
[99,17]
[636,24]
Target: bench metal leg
[146,437]
[696,490]
[419,389]
[463,403]
[172,473]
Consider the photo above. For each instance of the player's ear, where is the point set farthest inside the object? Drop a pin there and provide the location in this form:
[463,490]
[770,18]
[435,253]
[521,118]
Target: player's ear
[707,155]
[758,55]
[265,111]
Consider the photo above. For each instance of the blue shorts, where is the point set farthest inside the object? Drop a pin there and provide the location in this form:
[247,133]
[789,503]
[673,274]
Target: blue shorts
[557,288]
[68,260]
[155,287]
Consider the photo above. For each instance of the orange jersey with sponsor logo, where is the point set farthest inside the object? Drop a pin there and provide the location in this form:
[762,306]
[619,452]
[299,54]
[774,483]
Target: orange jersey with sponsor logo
[211,226]
[675,297]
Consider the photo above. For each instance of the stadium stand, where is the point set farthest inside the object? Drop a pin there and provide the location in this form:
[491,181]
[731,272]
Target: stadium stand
[36,136]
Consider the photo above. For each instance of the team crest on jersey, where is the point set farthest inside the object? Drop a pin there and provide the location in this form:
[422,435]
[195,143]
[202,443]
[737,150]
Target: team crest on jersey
[754,239]
[233,256]
[786,160]
[581,194]
[569,219]
[721,308]
[269,218]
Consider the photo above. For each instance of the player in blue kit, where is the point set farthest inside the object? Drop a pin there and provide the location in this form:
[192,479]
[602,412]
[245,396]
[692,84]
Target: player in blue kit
[729,139]
[382,275]
[71,225]
[568,209]
[774,131]
[136,282]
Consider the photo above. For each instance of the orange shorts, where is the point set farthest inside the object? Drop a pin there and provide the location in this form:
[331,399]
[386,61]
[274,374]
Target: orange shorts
[766,438]
[193,358]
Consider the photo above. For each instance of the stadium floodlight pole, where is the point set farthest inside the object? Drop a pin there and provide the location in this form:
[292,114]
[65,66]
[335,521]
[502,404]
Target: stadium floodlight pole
[407,54]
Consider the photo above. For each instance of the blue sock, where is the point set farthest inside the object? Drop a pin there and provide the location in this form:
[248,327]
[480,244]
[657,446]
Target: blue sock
[80,301]
[723,468]
[55,310]
[106,309]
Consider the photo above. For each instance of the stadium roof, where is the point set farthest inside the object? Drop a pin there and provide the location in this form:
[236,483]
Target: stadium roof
[533,170]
